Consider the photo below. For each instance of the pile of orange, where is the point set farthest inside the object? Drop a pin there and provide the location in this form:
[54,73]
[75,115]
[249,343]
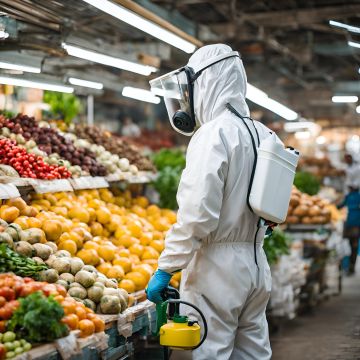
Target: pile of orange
[79,317]
[120,235]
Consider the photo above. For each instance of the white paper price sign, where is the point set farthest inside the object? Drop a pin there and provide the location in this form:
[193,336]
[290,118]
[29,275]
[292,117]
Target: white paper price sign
[46,186]
[89,182]
[113,177]
[67,346]
[100,182]
[8,191]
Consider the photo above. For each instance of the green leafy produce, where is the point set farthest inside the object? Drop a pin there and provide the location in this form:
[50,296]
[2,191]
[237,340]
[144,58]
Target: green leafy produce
[66,106]
[275,245]
[170,164]
[166,184]
[168,157]
[37,319]
[8,114]
[307,183]
[11,261]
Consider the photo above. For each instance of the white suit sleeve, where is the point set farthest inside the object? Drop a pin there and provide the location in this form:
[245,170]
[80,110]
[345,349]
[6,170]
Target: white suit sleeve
[199,197]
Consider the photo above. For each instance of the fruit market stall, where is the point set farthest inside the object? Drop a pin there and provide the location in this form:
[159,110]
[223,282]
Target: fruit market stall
[305,256]
[91,249]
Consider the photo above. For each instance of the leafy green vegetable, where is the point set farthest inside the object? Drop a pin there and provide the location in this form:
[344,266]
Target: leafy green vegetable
[169,157]
[37,319]
[8,114]
[11,261]
[170,164]
[166,184]
[307,183]
[275,245]
[66,106]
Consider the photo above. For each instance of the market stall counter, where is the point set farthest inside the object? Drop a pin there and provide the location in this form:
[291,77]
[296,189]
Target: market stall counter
[117,342]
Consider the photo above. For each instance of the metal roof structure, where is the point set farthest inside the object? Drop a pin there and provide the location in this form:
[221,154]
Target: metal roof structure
[289,48]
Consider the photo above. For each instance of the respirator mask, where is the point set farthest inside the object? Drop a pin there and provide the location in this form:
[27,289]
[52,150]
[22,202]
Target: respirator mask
[177,88]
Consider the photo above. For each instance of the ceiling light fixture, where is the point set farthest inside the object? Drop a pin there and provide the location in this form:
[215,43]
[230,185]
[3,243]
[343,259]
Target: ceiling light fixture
[19,67]
[358,109]
[345,26]
[140,94]
[86,83]
[108,60]
[344,99]
[3,35]
[354,44]
[261,98]
[35,84]
[143,24]
[303,135]
[321,140]
[298,126]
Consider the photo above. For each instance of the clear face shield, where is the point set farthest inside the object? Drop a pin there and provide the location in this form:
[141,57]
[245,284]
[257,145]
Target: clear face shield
[177,88]
[177,93]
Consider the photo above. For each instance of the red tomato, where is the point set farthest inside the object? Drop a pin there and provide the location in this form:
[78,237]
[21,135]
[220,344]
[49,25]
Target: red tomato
[2,326]
[61,290]
[2,302]
[50,289]
[2,352]
[5,313]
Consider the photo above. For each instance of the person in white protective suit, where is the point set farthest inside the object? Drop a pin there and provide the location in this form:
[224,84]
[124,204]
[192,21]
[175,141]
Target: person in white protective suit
[217,241]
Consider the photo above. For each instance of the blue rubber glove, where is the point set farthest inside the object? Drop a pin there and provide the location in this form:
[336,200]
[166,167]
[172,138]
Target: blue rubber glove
[157,284]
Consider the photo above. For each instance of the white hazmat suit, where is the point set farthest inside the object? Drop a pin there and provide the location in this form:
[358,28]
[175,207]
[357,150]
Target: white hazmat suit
[213,239]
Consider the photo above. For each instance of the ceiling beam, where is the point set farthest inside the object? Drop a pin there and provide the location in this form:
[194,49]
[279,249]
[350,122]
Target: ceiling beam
[149,11]
[286,18]
[336,48]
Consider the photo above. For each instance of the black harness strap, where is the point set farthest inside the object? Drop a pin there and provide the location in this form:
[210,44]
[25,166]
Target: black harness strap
[261,221]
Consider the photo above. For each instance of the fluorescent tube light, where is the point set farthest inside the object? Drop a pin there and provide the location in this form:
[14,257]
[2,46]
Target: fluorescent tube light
[3,34]
[143,24]
[108,60]
[253,92]
[157,91]
[86,83]
[358,109]
[321,140]
[344,99]
[279,109]
[19,67]
[345,26]
[298,126]
[140,94]
[302,135]
[354,44]
[261,98]
[35,84]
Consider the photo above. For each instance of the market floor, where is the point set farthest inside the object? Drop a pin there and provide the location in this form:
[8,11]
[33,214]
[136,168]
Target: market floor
[331,332]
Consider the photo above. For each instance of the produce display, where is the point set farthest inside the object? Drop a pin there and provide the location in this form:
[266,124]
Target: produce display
[170,164]
[28,165]
[276,245]
[96,243]
[12,261]
[43,140]
[33,312]
[306,209]
[307,183]
[12,345]
[34,257]
[154,140]
[113,163]
[114,144]
[320,167]
[119,235]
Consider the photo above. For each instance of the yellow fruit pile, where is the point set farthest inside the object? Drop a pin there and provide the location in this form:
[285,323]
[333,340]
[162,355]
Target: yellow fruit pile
[121,236]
